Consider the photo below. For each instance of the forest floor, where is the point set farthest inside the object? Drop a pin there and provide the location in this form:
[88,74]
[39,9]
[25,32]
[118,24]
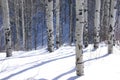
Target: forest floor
[60,65]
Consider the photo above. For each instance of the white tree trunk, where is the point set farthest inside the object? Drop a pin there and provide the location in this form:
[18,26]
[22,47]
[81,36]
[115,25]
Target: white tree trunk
[113,10]
[23,26]
[102,20]
[79,36]
[16,3]
[106,18]
[6,24]
[97,24]
[49,21]
[86,23]
[57,8]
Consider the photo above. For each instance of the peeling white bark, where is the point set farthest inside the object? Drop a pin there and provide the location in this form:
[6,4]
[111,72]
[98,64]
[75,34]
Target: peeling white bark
[57,8]
[86,23]
[49,21]
[7,30]
[113,10]
[79,36]
[97,24]
[16,3]
[23,24]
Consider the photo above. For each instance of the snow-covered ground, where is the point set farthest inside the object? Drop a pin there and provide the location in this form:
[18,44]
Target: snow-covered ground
[60,65]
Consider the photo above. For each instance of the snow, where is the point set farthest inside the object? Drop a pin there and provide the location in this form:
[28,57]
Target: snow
[60,65]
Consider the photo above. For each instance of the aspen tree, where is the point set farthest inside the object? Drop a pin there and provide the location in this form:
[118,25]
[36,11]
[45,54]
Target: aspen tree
[106,18]
[7,30]
[79,36]
[23,25]
[86,23]
[57,8]
[16,3]
[113,10]
[49,21]
[97,24]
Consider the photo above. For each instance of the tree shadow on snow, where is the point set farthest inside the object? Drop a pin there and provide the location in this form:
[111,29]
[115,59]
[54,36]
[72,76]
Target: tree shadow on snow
[23,56]
[103,56]
[45,62]
[66,73]
[34,66]
[59,76]
[73,70]
[73,77]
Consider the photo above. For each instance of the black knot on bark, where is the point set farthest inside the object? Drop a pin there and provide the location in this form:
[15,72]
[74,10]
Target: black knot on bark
[49,0]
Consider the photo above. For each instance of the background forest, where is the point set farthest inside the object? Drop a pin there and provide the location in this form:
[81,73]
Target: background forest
[35,23]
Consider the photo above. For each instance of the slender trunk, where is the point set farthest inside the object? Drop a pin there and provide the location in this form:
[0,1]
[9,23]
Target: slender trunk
[97,24]
[61,23]
[35,33]
[79,36]
[57,8]
[23,26]
[29,24]
[106,18]
[71,21]
[0,38]
[113,10]
[49,21]
[35,37]
[102,20]
[16,3]
[86,23]
[7,29]
[44,23]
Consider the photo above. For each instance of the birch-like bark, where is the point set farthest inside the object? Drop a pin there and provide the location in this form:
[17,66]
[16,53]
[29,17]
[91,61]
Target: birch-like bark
[79,36]
[7,30]
[106,18]
[23,26]
[97,24]
[57,8]
[101,21]
[86,23]
[49,21]
[16,3]
[113,10]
